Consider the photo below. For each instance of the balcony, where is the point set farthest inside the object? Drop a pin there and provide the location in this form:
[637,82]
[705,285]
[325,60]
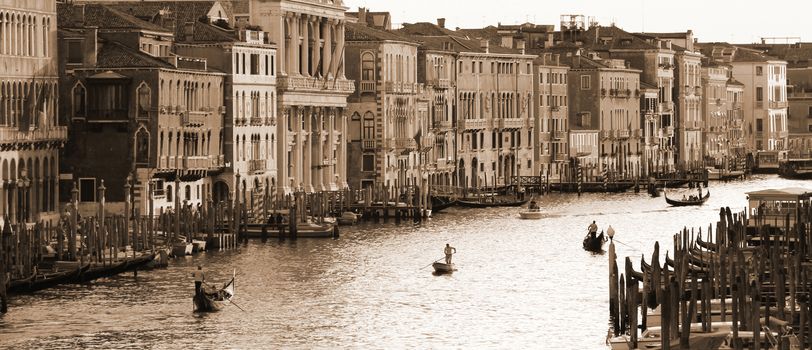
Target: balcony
[560,134]
[439,83]
[780,134]
[196,118]
[442,124]
[366,86]
[667,131]
[368,145]
[778,104]
[736,105]
[607,134]
[473,124]
[313,84]
[398,87]
[405,143]
[509,123]
[622,134]
[218,161]
[562,157]
[545,159]
[666,107]
[196,162]
[14,135]
[545,136]
[257,166]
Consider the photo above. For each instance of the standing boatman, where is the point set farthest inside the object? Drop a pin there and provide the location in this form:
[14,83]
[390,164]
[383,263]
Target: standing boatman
[449,251]
[200,277]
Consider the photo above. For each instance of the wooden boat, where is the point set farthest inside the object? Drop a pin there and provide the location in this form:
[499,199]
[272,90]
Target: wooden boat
[198,245]
[487,204]
[303,230]
[685,203]
[594,245]
[48,280]
[100,270]
[441,268]
[347,218]
[441,203]
[211,299]
[707,245]
[182,249]
[530,214]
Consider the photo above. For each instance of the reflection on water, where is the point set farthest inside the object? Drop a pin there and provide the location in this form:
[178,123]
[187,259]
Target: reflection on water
[519,282]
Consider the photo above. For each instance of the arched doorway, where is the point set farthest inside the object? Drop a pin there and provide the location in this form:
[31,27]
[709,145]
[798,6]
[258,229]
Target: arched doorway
[220,192]
[461,174]
[474,172]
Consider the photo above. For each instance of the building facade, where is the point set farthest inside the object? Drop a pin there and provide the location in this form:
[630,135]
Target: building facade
[31,132]
[312,91]
[551,125]
[148,118]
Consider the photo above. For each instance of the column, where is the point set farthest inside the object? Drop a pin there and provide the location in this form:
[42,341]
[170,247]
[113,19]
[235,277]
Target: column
[305,61]
[295,47]
[281,52]
[282,151]
[328,175]
[315,48]
[326,50]
[307,156]
[341,162]
[340,49]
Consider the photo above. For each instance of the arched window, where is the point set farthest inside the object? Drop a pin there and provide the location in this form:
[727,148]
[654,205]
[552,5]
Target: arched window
[79,101]
[144,101]
[142,146]
[169,194]
[369,126]
[367,67]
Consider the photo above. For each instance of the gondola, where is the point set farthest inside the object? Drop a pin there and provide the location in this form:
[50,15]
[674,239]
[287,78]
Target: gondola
[441,203]
[594,245]
[100,270]
[685,203]
[211,299]
[47,280]
[441,268]
[486,204]
[707,245]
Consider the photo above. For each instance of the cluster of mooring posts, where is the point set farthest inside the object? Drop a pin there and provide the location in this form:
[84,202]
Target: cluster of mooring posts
[743,284]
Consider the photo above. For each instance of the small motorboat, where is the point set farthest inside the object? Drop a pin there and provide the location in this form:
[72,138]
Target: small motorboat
[594,244]
[182,249]
[441,268]
[212,299]
[530,214]
[198,245]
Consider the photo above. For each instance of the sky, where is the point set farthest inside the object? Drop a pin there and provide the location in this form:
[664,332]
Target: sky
[711,20]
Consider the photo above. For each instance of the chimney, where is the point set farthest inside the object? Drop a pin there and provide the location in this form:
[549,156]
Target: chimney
[441,22]
[189,31]
[520,44]
[78,15]
[597,33]
[484,45]
[362,15]
[89,46]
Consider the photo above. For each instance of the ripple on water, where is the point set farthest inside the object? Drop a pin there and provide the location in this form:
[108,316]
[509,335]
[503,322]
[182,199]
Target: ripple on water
[522,283]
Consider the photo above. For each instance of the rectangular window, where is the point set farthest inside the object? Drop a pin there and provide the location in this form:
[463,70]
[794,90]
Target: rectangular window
[474,142]
[87,190]
[369,162]
[759,70]
[585,82]
[759,94]
[809,115]
[480,67]
[809,127]
[254,64]
[586,120]
[759,125]
[74,52]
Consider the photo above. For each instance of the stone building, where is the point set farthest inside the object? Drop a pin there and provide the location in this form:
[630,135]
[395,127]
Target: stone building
[136,111]
[551,122]
[494,105]
[31,131]
[764,100]
[312,91]
[386,129]
[248,58]
[605,122]
[721,116]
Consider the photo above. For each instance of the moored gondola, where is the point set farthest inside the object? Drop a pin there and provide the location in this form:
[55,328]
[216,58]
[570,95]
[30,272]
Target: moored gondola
[490,204]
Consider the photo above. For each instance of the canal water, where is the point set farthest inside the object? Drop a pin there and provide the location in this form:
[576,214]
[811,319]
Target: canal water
[520,283]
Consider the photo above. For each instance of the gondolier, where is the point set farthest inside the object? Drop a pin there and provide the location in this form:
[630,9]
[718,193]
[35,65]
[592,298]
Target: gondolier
[449,251]
[593,228]
[200,277]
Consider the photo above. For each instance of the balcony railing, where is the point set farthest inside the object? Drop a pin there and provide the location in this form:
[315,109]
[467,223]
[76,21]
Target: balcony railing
[405,143]
[545,136]
[622,134]
[473,124]
[562,157]
[509,123]
[14,135]
[560,134]
[302,83]
[366,86]
[257,166]
[666,107]
[196,162]
[196,118]
[442,124]
[778,104]
[368,144]
[607,134]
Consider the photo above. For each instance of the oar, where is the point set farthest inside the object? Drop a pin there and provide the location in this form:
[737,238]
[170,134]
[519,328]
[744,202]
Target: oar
[432,263]
[232,302]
